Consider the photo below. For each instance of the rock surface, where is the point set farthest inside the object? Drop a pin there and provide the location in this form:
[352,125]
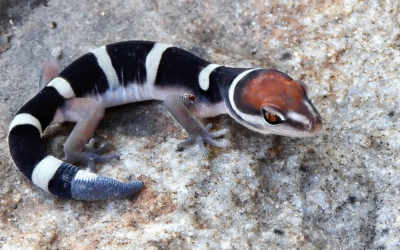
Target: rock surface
[338,190]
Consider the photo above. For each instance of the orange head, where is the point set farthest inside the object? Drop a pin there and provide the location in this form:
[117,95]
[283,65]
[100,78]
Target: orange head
[269,101]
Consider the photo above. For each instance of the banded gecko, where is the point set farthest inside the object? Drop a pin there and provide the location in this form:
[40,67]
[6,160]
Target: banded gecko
[263,100]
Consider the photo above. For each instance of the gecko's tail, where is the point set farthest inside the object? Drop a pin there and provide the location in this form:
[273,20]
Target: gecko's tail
[46,171]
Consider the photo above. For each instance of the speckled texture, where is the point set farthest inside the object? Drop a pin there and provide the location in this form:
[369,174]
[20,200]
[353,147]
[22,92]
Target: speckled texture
[338,190]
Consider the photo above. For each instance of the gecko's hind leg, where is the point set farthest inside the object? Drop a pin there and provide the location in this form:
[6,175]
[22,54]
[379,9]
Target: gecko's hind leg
[87,113]
[49,71]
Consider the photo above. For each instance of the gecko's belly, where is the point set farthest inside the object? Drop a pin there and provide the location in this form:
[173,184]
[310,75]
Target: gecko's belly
[123,94]
[133,92]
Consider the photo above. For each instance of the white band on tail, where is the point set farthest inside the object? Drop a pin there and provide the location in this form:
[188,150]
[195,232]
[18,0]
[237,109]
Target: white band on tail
[26,119]
[44,171]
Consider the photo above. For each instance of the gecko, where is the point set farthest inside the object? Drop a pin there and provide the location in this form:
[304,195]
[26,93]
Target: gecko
[264,100]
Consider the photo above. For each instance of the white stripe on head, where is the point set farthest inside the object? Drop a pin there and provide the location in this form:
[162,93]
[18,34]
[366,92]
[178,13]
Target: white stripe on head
[104,61]
[204,76]
[298,117]
[310,108]
[62,86]
[44,171]
[153,61]
[26,119]
[252,119]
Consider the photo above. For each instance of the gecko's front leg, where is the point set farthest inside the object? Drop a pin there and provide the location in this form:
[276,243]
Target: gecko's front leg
[181,108]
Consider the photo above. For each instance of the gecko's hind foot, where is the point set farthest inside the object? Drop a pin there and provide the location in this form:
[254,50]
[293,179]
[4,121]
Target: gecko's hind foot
[95,154]
[206,137]
[90,155]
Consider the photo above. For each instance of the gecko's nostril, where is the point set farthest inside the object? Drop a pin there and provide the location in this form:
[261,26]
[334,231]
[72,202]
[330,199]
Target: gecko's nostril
[317,125]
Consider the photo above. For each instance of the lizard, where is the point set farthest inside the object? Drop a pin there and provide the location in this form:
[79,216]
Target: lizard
[264,100]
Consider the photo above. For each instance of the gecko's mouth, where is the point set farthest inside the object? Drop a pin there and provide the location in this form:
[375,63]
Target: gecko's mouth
[306,131]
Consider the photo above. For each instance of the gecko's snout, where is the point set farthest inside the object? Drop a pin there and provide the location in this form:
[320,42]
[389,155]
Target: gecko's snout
[315,127]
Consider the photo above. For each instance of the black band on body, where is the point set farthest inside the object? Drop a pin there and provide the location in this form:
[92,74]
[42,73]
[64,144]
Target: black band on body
[43,106]
[129,60]
[220,81]
[85,76]
[179,68]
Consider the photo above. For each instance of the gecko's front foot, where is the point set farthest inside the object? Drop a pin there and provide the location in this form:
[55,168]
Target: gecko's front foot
[90,155]
[205,136]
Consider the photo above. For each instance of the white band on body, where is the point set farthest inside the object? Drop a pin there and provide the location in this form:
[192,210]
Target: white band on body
[204,76]
[104,61]
[153,61]
[63,87]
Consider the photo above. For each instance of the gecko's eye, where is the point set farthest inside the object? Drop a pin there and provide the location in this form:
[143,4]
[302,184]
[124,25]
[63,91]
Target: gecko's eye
[271,117]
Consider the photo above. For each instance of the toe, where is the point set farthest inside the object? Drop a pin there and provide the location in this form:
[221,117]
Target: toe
[207,128]
[203,149]
[186,142]
[103,148]
[219,144]
[218,133]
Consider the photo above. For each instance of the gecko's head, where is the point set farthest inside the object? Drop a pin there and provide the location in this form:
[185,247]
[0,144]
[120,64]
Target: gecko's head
[271,102]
